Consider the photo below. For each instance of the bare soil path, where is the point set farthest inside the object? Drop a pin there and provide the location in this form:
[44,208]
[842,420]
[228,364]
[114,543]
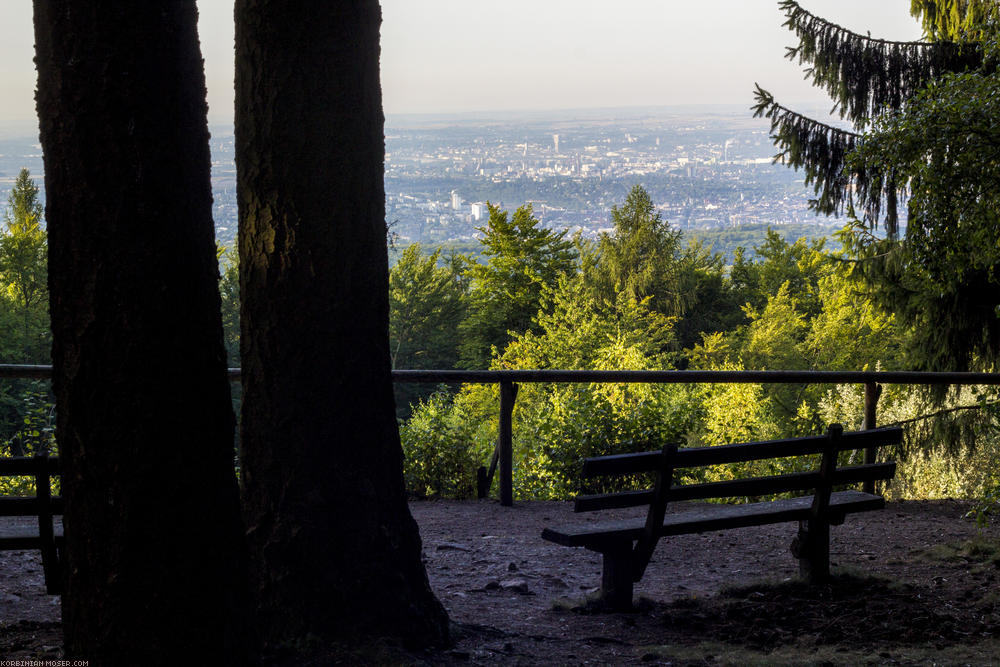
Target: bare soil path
[516,599]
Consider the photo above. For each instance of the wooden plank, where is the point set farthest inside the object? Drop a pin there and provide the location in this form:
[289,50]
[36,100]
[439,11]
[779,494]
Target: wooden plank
[693,457]
[657,509]
[27,506]
[707,518]
[814,534]
[864,473]
[621,464]
[607,501]
[753,451]
[28,465]
[753,486]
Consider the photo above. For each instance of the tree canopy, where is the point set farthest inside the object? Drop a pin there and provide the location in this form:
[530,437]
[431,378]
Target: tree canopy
[924,135]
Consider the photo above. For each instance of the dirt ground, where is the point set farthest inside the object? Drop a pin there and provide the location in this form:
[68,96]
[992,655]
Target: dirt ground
[916,584]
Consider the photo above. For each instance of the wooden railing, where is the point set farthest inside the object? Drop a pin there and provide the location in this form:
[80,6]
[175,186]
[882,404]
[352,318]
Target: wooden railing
[502,459]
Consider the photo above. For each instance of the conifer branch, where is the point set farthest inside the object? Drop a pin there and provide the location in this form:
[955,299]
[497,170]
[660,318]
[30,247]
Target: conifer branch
[942,412]
[821,151]
[864,75]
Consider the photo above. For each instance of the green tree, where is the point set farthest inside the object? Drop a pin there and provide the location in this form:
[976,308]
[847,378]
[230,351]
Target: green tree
[427,303]
[556,425]
[941,280]
[22,202]
[644,258]
[229,291]
[800,264]
[818,318]
[24,269]
[638,257]
[925,127]
[505,292]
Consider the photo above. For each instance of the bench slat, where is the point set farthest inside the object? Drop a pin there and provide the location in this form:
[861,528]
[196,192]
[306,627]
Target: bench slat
[755,486]
[752,451]
[608,501]
[28,465]
[621,464]
[864,473]
[624,464]
[752,486]
[28,505]
[705,518]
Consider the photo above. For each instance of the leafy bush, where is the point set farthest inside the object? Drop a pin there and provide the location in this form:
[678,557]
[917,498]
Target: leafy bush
[440,449]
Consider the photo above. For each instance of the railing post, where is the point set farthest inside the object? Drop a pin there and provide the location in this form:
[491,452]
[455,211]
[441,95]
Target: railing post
[872,392]
[505,442]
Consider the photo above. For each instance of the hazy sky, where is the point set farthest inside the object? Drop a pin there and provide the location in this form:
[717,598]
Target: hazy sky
[475,55]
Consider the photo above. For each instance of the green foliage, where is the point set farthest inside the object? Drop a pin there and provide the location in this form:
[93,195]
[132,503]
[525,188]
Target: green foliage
[427,302]
[556,426]
[24,317]
[944,145]
[505,292]
[644,258]
[931,113]
[35,434]
[952,19]
[229,291]
[440,449]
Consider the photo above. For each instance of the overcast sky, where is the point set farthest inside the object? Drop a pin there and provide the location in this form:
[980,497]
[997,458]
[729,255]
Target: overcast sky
[478,55]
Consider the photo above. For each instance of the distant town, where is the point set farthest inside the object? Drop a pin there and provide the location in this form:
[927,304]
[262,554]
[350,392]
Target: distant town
[707,169]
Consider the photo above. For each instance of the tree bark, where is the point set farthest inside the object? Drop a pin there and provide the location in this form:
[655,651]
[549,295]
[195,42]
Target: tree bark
[336,550]
[154,542]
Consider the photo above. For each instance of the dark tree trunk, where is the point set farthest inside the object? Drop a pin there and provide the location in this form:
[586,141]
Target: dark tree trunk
[337,552]
[155,546]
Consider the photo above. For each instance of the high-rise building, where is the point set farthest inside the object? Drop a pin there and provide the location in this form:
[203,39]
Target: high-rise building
[555,142]
[456,201]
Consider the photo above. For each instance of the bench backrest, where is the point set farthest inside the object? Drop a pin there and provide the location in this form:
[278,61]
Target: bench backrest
[42,468]
[671,458]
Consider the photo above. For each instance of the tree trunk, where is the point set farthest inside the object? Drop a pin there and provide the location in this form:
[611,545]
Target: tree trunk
[154,541]
[337,552]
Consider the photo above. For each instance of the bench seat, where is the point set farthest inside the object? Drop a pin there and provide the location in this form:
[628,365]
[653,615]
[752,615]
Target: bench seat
[598,535]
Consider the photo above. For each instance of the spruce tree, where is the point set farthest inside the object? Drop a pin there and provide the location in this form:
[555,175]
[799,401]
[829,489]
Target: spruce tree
[889,92]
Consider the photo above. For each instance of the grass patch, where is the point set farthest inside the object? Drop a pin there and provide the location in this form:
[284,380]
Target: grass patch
[977,551]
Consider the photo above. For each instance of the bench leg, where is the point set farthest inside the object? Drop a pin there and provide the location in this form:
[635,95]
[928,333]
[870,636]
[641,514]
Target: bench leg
[812,547]
[616,580]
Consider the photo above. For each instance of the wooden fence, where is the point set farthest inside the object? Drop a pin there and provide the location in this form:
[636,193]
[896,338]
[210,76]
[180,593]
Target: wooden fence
[502,459]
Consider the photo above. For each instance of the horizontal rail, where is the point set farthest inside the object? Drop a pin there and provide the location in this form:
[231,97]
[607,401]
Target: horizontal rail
[656,377]
[693,377]
[508,379]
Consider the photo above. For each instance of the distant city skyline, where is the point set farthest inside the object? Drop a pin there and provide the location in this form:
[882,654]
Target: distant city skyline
[460,56]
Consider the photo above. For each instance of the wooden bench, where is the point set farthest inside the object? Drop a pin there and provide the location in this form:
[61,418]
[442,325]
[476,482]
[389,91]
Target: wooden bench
[627,545]
[46,536]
